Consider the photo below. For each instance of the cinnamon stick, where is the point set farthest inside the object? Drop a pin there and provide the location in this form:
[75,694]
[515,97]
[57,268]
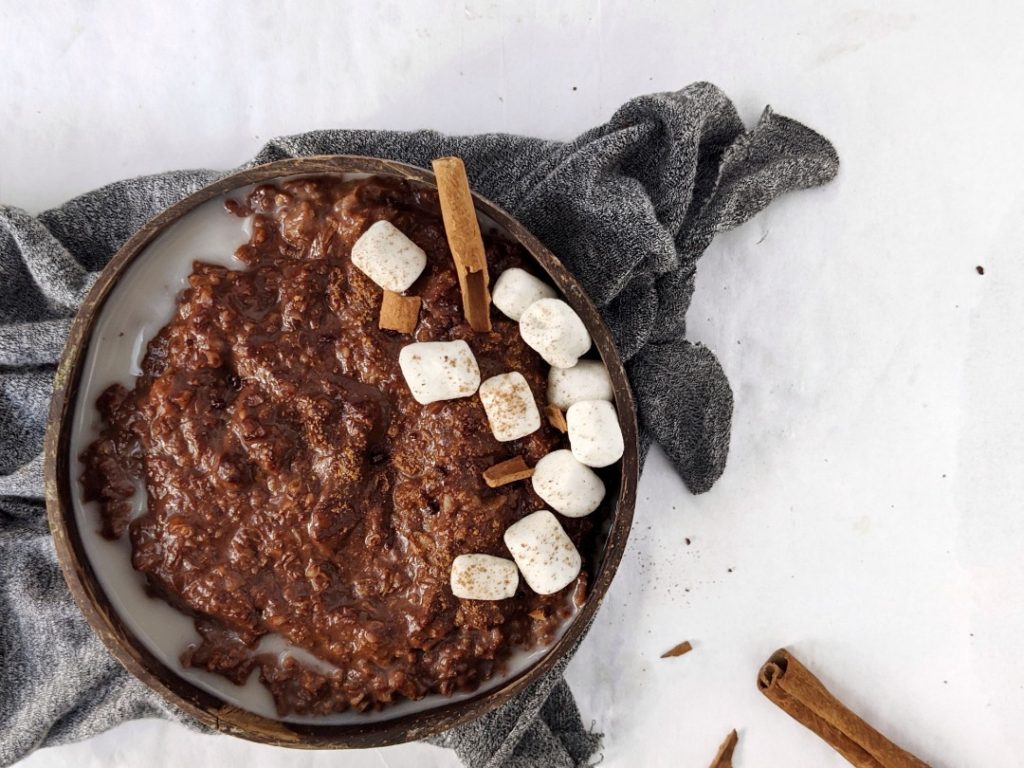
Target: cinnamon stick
[556,418]
[723,758]
[792,687]
[464,240]
[507,472]
[399,313]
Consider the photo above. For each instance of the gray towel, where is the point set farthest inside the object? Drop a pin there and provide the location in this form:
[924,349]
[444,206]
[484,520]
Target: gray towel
[628,207]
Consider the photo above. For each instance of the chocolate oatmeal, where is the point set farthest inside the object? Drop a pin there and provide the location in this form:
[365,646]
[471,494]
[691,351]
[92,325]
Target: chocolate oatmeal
[294,485]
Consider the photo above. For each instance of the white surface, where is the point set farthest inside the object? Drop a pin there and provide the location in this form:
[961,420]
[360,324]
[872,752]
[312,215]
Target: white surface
[871,510]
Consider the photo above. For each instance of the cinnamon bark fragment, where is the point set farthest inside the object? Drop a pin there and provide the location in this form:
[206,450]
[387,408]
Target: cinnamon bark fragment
[679,650]
[556,418]
[507,472]
[399,313]
[723,758]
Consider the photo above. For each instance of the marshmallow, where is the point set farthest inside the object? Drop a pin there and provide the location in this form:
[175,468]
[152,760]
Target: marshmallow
[587,380]
[552,328]
[510,407]
[439,370]
[544,553]
[516,289]
[388,257]
[568,486]
[484,577]
[594,433]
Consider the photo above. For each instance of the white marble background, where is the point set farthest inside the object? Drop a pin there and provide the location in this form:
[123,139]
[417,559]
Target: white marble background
[871,510]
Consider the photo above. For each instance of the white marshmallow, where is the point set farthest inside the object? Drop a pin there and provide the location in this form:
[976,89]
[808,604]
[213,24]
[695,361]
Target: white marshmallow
[544,552]
[552,328]
[569,487]
[484,577]
[439,370]
[510,407]
[587,380]
[594,433]
[388,257]
[516,289]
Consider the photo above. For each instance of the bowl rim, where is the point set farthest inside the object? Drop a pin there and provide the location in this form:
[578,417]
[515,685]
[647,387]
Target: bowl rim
[176,689]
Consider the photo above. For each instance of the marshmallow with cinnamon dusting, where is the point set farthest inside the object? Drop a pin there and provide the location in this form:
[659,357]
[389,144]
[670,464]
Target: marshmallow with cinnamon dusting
[595,436]
[385,255]
[555,331]
[516,289]
[571,488]
[510,407]
[484,577]
[544,552]
[587,380]
[439,370]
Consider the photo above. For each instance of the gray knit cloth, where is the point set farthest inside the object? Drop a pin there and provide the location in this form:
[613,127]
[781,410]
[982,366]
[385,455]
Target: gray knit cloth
[628,207]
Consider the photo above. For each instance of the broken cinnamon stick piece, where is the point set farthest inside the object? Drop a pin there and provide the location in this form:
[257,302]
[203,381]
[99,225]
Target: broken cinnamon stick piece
[798,693]
[399,313]
[537,614]
[556,418]
[679,650]
[507,472]
[723,758]
[464,240]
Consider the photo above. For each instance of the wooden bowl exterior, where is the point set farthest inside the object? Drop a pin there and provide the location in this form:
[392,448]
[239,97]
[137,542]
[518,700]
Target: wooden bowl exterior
[205,707]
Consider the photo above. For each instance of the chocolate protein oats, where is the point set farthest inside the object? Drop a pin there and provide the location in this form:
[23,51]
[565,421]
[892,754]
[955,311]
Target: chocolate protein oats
[294,485]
